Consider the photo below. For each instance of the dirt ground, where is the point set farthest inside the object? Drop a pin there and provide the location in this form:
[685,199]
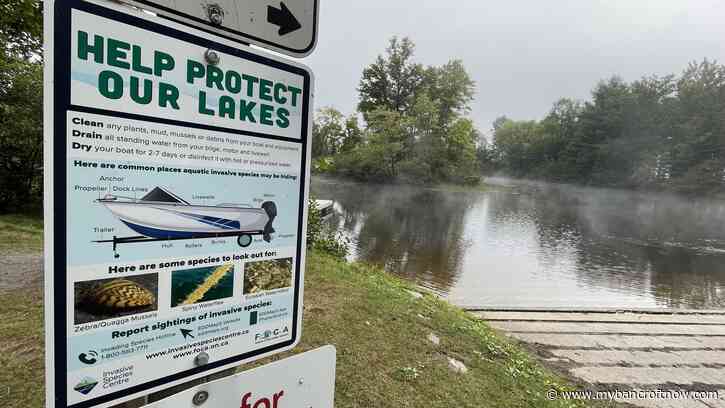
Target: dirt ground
[20,271]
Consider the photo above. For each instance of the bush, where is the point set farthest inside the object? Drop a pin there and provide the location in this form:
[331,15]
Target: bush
[21,136]
[323,165]
[321,237]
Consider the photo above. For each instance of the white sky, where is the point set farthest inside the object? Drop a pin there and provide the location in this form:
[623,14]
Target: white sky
[523,55]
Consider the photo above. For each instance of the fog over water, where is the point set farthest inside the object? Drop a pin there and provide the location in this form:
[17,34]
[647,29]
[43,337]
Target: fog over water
[539,245]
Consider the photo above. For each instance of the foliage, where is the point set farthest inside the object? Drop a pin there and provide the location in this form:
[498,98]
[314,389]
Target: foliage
[453,89]
[373,161]
[323,165]
[407,373]
[395,83]
[461,160]
[656,132]
[21,136]
[332,133]
[322,238]
[387,144]
[21,29]
[21,104]
[391,82]
[485,156]
[353,135]
[415,128]
[327,132]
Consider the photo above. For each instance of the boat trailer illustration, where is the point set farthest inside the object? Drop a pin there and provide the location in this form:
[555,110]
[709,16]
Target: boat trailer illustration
[161,215]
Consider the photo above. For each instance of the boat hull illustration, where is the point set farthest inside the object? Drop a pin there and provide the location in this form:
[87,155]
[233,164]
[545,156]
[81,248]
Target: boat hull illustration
[162,215]
[163,221]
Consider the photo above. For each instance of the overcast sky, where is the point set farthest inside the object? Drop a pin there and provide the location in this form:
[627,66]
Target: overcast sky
[523,55]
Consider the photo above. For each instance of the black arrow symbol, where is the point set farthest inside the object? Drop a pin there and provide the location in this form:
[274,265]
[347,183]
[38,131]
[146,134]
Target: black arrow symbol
[283,18]
[186,333]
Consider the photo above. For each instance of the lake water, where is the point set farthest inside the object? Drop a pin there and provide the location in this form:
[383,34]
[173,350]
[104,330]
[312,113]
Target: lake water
[539,245]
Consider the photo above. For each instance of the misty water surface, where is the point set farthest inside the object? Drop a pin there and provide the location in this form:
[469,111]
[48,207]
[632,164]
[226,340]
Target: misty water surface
[539,245]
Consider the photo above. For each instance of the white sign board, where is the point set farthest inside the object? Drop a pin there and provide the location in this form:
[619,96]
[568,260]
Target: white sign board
[287,26]
[175,203]
[305,380]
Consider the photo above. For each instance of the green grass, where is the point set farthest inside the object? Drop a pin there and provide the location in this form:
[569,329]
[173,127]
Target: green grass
[384,358]
[21,349]
[21,321]
[21,233]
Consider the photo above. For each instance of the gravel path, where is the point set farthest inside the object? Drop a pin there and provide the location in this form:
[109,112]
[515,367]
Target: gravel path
[21,271]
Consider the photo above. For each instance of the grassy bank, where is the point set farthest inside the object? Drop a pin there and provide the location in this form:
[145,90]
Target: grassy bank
[380,329]
[385,358]
[20,233]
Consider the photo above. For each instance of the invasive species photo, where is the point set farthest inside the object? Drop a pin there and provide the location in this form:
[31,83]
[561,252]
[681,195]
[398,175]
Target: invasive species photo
[102,299]
[267,275]
[197,285]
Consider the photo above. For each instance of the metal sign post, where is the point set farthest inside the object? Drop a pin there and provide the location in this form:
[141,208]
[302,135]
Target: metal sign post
[176,180]
[287,26]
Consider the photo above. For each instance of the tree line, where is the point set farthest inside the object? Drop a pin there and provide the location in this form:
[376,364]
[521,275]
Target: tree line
[411,124]
[658,132]
[21,106]
[414,125]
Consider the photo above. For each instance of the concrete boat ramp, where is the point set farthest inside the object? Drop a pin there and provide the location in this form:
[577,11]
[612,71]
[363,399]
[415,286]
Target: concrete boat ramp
[626,350]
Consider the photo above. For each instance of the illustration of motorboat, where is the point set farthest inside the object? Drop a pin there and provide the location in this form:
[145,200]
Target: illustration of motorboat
[161,215]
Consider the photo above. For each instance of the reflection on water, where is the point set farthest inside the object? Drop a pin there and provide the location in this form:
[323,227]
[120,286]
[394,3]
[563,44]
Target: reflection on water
[539,245]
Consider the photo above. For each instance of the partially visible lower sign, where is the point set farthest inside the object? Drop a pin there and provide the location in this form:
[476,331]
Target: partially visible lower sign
[305,380]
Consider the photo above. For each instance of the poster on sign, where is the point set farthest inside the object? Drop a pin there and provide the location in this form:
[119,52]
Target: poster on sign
[177,174]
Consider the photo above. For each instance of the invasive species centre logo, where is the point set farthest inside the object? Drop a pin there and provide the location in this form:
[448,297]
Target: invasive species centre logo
[86,385]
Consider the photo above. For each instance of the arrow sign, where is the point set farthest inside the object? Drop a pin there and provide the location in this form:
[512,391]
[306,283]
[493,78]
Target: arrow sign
[186,333]
[290,26]
[283,18]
